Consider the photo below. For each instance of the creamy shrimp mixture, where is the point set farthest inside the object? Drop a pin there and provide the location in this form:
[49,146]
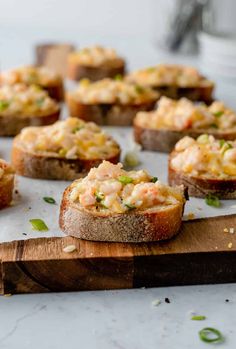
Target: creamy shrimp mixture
[109,187]
[22,100]
[30,75]
[205,157]
[169,75]
[71,139]
[184,114]
[93,56]
[5,169]
[109,91]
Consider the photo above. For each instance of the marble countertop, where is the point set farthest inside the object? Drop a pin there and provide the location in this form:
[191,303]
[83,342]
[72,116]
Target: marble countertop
[114,319]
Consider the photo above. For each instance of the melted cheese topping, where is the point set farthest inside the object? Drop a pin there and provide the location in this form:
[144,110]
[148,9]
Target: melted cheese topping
[169,75]
[71,139]
[22,100]
[109,187]
[184,114]
[5,169]
[205,157]
[93,56]
[108,91]
[29,75]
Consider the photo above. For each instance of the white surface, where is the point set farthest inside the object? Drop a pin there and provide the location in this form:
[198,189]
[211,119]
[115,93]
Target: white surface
[30,204]
[118,319]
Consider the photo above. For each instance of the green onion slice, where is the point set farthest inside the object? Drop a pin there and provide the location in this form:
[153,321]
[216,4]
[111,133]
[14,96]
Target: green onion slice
[130,206]
[99,196]
[154,179]
[118,77]
[49,200]
[211,335]
[38,224]
[4,104]
[198,317]
[212,200]
[125,179]
[139,89]
[218,114]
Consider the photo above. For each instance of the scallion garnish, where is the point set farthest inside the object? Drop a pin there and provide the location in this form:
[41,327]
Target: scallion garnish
[76,129]
[214,126]
[211,335]
[4,104]
[99,196]
[39,102]
[139,89]
[130,206]
[212,200]
[38,224]
[118,77]
[218,114]
[154,179]
[198,317]
[125,179]
[49,200]
[225,145]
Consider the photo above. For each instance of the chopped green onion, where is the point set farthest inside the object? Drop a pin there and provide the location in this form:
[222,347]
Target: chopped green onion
[213,126]
[49,200]
[39,102]
[198,317]
[154,179]
[125,179]
[218,114]
[225,145]
[4,105]
[130,206]
[139,89]
[103,205]
[76,129]
[118,77]
[211,335]
[151,69]
[203,138]
[62,152]
[212,200]
[99,196]
[131,159]
[38,224]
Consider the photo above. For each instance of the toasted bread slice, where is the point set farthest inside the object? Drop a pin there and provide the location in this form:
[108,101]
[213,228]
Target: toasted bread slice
[164,140]
[56,91]
[49,164]
[6,184]
[12,125]
[101,223]
[107,114]
[202,170]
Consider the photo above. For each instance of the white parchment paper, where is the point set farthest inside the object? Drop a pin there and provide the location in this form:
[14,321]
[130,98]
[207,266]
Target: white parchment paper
[14,221]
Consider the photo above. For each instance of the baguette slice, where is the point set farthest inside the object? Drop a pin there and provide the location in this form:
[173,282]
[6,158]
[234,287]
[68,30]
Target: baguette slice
[76,71]
[201,187]
[56,91]
[12,125]
[139,226]
[6,185]
[128,224]
[164,140]
[107,114]
[47,164]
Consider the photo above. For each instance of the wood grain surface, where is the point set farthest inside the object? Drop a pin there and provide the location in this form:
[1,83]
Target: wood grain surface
[202,253]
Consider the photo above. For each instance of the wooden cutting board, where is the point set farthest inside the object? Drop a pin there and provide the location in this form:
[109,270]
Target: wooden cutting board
[202,253]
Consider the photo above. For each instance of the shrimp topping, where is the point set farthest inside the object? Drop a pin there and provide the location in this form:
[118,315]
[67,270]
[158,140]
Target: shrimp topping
[110,187]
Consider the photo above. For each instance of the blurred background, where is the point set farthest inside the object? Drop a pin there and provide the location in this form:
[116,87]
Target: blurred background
[196,32]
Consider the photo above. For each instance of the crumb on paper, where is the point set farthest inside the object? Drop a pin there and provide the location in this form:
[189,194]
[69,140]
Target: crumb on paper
[26,209]
[233,206]
[156,302]
[230,244]
[69,249]
[167,300]
[231,230]
[226,230]
[190,215]
[199,208]
[7,295]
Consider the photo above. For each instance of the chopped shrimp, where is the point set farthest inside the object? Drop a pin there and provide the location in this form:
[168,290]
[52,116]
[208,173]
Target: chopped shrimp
[88,198]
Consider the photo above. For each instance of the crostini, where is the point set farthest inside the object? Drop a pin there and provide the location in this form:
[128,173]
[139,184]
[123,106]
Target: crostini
[6,183]
[175,81]
[32,75]
[95,63]
[206,166]
[161,129]
[65,150]
[22,105]
[109,102]
[111,204]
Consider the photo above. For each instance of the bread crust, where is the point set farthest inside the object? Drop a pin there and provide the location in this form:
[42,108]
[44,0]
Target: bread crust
[164,140]
[38,166]
[6,190]
[107,114]
[201,187]
[12,125]
[55,91]
[135,226]
[77,71]
[198,93]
